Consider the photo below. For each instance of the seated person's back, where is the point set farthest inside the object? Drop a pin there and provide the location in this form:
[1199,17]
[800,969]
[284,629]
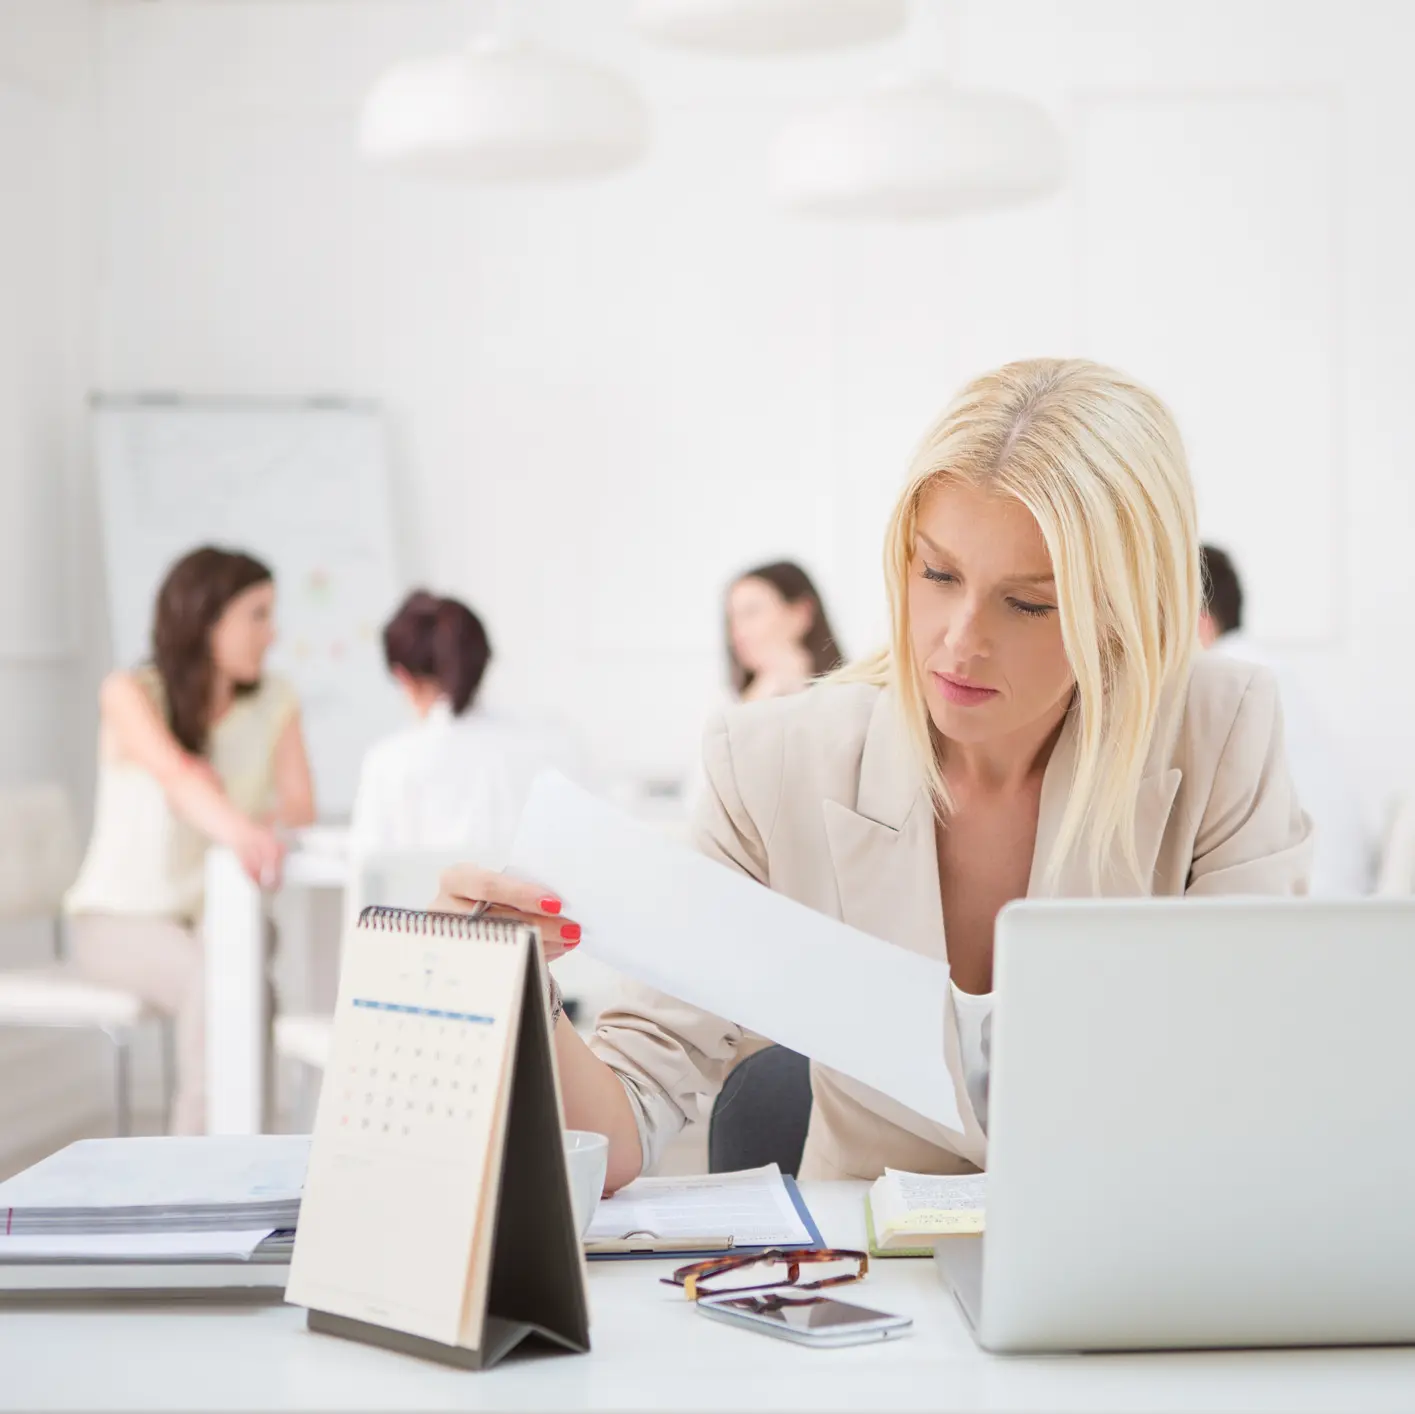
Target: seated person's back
[459,777]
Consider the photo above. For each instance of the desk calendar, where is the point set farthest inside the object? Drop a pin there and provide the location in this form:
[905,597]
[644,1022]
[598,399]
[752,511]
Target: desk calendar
[436,1215]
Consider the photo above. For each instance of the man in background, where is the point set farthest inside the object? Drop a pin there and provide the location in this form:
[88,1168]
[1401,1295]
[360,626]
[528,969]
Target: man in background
[1342,863]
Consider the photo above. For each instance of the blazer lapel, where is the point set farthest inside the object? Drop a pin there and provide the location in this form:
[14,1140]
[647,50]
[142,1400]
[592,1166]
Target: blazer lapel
[882,850]
[885,857]
[1073,879]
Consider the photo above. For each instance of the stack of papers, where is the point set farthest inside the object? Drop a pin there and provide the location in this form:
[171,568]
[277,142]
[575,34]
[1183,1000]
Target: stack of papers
[160,1184]
[239,1246]
[178,1212]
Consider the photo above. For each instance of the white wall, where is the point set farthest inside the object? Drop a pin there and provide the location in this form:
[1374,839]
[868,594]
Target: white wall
[47,246]
[610,397]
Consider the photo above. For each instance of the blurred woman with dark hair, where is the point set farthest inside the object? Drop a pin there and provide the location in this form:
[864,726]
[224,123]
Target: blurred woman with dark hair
[459,777]
[779,641]
[778,637]
[198,745]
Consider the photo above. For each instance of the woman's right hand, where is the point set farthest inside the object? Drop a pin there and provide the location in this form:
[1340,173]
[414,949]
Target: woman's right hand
[262,854]
[465,885]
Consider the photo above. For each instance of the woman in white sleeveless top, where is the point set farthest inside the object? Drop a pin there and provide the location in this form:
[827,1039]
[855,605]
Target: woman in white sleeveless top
[199,745]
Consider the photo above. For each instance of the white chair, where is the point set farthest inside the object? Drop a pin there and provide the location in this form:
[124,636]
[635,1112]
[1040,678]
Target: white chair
[38,861]
[304,1038]
[1397,875]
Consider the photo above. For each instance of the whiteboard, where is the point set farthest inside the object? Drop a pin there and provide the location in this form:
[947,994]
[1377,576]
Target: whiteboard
[303,487]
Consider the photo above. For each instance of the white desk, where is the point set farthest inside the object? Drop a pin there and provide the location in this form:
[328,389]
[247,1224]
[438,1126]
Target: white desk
[651,1351]
[236,1023]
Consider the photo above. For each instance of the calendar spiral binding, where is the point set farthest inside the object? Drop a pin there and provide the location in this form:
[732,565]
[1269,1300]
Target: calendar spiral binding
[384,919]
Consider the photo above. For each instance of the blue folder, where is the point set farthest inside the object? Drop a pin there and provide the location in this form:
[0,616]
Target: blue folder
[816,1242]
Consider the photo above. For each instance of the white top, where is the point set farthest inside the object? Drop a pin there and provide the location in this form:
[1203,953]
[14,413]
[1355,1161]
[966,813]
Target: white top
[974,1013]
[645,1338]
[452,783]
[1341,862]
[142,857]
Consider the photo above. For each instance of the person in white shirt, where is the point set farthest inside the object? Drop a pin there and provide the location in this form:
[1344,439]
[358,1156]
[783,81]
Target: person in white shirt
[1342,864]
[459,778]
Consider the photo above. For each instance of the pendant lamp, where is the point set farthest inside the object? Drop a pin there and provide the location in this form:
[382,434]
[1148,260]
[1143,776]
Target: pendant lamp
[769,26]
[503,112]
[920,147]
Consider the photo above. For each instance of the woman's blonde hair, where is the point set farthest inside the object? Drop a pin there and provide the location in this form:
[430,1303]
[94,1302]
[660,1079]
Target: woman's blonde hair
[1098,461]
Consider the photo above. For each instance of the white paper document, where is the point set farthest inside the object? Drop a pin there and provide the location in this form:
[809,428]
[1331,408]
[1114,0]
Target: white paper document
[162,1171]
[752,1207]
[710,936]
[133,1246]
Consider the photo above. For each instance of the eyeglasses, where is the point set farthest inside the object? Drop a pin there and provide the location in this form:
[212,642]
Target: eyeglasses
[692,1277]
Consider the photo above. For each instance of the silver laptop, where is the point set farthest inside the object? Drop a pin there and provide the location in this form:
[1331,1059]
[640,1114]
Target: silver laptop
[1202,1128]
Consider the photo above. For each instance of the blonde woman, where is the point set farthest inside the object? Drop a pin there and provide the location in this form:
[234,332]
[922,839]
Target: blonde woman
[1040,725]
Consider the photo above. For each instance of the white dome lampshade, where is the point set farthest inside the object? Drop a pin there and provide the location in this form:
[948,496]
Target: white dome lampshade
[769,26]
[920,148]
[503,113]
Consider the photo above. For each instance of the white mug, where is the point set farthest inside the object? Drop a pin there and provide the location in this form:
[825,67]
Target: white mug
[587,1157]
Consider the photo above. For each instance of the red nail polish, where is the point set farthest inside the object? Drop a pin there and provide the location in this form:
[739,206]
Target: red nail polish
[571,932]
[550,905]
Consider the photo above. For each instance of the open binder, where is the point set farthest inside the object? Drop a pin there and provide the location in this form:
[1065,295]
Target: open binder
[436,1217]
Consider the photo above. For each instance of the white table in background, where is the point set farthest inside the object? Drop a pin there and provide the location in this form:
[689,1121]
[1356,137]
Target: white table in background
[652,1351]
[236,1023]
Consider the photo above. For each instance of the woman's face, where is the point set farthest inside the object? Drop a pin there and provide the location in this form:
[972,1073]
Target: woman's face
[763,627]
[243,634]
[983,620]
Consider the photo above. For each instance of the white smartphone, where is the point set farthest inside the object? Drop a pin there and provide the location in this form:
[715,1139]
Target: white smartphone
[817,1320]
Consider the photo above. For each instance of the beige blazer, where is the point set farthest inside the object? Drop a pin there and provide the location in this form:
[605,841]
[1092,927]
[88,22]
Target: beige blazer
[820,797]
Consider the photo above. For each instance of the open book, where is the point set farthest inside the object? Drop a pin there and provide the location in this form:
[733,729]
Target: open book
[906,1213]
